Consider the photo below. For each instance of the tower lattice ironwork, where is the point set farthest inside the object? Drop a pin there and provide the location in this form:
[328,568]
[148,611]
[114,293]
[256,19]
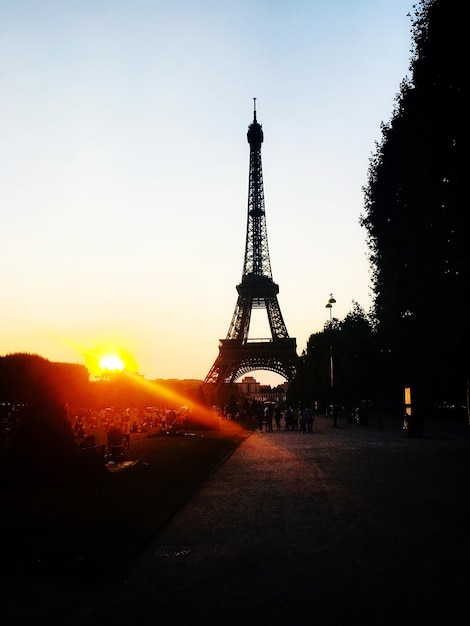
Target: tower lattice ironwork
[238,354]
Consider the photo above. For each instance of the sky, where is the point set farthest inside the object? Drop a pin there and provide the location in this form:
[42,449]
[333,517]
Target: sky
[124,168]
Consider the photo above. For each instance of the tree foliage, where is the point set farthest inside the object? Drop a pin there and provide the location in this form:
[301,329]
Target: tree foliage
[351,344]
[44,444]
[23,376]
[416,212]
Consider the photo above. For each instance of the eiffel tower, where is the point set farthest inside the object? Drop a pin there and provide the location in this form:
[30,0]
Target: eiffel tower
[238,354]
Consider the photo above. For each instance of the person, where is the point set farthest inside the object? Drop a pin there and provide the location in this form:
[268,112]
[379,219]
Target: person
[171,417]
[288,418]
[126,433]
[268,416]
[277,416]
[303,419]
[295,419]
[309,418]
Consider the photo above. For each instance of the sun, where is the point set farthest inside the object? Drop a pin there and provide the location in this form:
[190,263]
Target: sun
[111,363]
[109,357]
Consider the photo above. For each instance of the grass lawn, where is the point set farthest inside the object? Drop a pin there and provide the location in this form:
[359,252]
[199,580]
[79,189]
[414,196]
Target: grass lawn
[90,526]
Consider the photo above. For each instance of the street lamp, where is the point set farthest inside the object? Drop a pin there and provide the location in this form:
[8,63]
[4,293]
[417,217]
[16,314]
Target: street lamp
[329,305]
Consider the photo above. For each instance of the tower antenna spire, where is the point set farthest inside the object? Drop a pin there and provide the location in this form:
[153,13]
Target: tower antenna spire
[254,109]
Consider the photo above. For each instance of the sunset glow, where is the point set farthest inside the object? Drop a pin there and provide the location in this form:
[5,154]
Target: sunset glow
[108,357]
[111,363]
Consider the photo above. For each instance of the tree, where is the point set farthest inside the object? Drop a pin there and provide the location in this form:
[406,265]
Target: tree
[43,447]
[354,357]
[23,375]
[416,214]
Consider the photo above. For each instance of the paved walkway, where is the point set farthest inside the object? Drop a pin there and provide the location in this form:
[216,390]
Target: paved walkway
[354,525]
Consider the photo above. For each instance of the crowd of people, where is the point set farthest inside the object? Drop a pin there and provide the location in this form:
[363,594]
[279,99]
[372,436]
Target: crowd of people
[128,419]
[120,423]
[272,417]
[268,416]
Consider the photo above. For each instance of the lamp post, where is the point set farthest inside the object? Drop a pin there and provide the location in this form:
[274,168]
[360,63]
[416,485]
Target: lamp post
[329,305]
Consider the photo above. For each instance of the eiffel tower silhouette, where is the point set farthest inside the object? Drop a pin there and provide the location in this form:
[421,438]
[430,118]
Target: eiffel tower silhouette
[238,354]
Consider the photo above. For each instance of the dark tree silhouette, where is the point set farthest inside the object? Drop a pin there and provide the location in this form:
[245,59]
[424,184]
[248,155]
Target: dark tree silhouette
[43,446]
[22,375]
[354,356]
[355,359]
[42,442]
[416,213]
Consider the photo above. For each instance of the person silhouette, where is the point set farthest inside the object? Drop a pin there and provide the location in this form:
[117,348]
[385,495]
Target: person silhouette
[309,418]
[268,416]
[126,433]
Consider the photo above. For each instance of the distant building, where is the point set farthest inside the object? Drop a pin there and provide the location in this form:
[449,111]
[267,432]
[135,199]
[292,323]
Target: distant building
[249,385]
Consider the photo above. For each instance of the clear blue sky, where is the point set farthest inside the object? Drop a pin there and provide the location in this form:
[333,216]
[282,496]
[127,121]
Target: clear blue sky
[124,167]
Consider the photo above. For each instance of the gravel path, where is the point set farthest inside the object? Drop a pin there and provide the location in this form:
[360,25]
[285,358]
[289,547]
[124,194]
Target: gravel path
[356,525]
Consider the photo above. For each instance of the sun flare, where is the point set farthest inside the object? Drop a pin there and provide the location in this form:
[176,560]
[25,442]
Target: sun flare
[111,363]
[109,357]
